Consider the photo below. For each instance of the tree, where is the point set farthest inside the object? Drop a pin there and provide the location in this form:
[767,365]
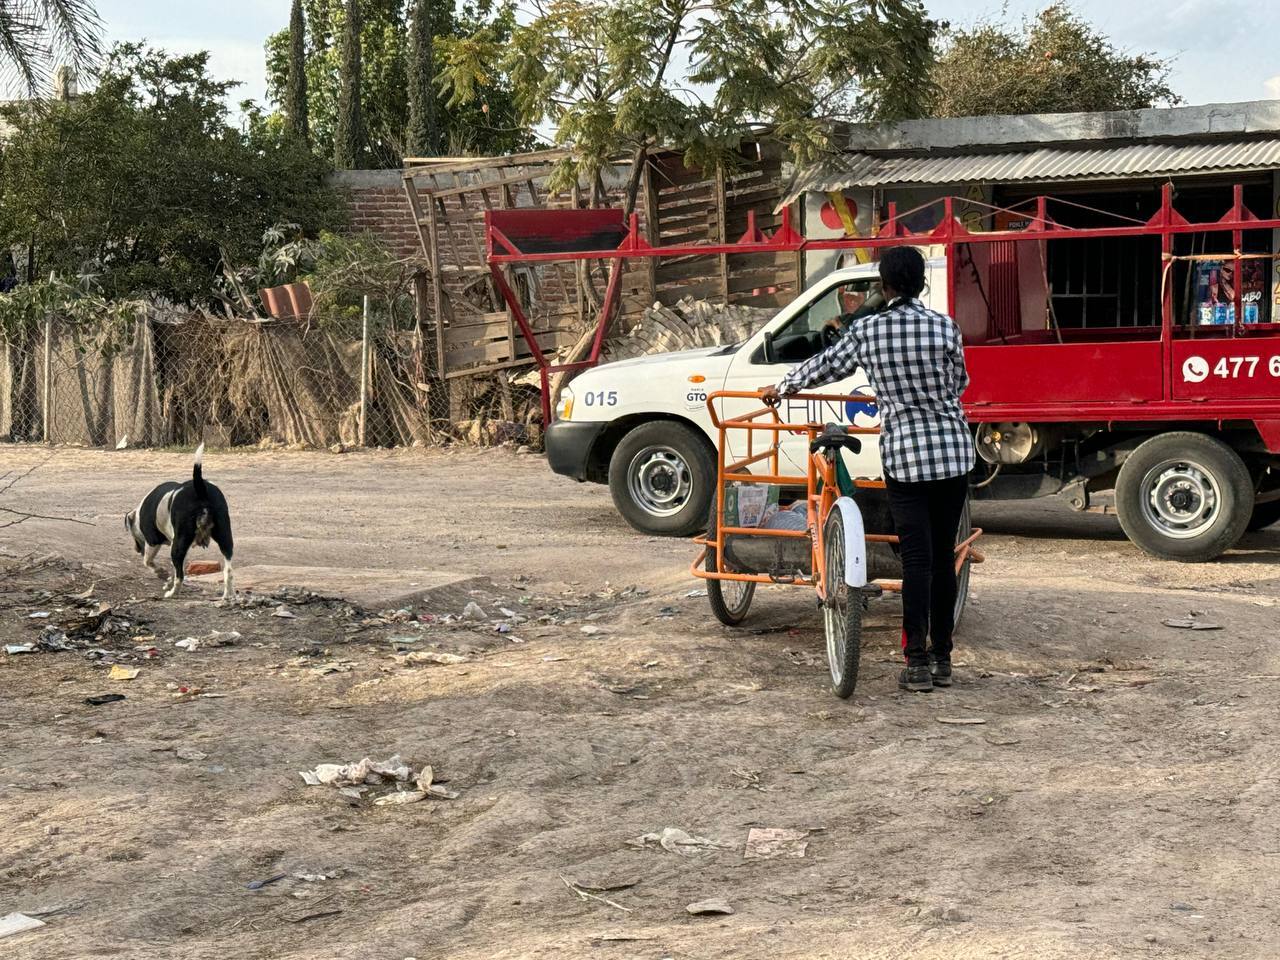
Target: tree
[140,185]
[348,137]
[296,93]
[1053,63]
[423,135]
[604,74]
[35,35]
[484,126]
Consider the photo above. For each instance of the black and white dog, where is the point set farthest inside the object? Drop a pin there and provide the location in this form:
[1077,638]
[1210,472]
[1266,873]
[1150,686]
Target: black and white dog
[181,514]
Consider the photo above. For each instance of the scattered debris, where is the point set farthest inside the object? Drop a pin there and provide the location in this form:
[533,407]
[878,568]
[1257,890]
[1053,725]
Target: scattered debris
[431,656]
[259,884]
[999,742]
[53,640]
[20,648]
[947,913]
[38,615]
[214,638]
[399,797]
[188,753]
[473,611]
[1190,623]
[675,840]
[314,916]
[961,721]
[123,673]
[619,938]
[585,894]
[18,923]
[589,630]
[714,906]
[353,780]
[770,843]
[104,698]
[696,593]
[284,613]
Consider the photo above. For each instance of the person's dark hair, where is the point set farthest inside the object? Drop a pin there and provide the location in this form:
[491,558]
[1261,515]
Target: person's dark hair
[902,268]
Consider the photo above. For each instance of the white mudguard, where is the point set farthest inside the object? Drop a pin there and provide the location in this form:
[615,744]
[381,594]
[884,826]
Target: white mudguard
[855,540]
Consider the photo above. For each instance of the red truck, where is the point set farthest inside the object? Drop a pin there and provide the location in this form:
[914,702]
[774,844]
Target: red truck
[1162,384]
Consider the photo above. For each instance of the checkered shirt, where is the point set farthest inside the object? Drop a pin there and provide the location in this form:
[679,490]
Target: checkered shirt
[914,361]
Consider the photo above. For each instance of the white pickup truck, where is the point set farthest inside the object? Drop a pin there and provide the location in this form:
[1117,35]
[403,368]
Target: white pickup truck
[642,425]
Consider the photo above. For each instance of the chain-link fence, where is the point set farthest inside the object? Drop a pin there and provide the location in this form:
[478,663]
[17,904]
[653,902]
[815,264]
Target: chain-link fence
[188,378]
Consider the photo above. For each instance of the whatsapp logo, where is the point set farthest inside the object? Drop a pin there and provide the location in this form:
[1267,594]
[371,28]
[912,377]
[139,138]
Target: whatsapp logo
[1195,369]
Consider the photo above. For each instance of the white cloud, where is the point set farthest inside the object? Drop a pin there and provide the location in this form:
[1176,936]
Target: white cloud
[1272,86]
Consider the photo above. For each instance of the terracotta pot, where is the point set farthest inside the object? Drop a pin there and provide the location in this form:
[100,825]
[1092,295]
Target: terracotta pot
[299,299]
[276,300]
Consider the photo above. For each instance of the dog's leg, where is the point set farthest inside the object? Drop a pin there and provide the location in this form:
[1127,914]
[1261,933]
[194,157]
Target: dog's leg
[181,544]
[149,559]
[222,537]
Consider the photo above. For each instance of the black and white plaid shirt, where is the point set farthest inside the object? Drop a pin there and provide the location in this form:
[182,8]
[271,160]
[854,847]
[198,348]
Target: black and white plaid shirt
[914,361]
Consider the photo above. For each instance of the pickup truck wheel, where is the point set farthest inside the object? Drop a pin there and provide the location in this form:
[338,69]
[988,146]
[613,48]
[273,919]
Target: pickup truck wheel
[1264,515]
[1184,496]
[662,477]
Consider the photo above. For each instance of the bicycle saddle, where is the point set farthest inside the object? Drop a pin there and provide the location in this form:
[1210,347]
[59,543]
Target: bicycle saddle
[835,437]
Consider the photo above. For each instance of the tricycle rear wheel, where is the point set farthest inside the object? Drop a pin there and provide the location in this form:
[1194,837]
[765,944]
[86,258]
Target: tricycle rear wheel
[730,599]
[841,610]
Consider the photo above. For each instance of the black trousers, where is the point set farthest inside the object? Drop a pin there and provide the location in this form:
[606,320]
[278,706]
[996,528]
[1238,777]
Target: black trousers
[926,516]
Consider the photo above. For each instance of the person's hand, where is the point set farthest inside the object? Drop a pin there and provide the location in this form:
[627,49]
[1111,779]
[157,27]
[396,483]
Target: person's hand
[770,395]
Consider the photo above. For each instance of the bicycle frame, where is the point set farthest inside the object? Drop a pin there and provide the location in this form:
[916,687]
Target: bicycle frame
[819,483]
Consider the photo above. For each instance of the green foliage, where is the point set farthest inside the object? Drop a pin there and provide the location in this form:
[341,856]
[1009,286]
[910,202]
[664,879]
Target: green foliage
[602,73]
[348,136]
[37,35]
[423,134]
[140,184]
[295,107]
[80,305]
[1053,63]
[486,125]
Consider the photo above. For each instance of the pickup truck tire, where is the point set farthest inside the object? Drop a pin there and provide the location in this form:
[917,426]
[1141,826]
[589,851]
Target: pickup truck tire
[1184,496]
[662,476]
[1264,515]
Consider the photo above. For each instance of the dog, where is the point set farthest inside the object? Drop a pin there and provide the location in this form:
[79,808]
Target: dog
[180,514]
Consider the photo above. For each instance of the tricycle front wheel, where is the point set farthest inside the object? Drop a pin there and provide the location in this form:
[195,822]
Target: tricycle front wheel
[841,611]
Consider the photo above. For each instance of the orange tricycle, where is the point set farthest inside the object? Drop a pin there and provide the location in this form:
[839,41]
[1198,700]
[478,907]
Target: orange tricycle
[820,539]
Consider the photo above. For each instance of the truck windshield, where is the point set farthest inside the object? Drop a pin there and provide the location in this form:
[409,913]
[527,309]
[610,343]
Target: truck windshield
[803,336]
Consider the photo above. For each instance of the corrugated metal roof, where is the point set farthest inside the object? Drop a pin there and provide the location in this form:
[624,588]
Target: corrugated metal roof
[1043,165]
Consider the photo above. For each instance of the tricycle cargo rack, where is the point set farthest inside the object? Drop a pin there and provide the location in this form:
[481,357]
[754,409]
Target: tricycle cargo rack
[829,553]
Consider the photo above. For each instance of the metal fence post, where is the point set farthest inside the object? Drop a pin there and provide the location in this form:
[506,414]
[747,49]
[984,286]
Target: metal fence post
[47,378]
[364,371]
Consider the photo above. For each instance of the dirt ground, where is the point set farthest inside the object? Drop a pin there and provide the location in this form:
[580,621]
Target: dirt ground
[1117,800]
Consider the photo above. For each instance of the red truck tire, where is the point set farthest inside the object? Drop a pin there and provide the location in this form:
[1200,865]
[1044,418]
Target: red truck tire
[1184,496]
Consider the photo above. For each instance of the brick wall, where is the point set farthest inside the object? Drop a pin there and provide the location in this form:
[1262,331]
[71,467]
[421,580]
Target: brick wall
[376,203]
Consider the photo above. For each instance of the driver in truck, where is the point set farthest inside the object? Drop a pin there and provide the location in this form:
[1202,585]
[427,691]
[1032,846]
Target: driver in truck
[914,361]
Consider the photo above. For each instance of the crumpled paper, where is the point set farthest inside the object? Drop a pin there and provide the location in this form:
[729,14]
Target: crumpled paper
[675,840]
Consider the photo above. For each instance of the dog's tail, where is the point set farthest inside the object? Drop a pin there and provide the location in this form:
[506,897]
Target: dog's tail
[197,478]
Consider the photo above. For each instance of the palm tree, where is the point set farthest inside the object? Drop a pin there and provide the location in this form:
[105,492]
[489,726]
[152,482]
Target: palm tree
[37,35]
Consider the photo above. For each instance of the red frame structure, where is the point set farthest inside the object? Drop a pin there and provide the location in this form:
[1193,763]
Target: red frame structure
[506,230]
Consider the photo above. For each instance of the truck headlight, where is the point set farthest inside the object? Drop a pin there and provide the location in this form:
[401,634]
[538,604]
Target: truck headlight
[564,409]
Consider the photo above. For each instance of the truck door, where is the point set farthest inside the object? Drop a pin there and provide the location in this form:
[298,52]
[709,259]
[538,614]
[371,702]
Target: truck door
[795,339]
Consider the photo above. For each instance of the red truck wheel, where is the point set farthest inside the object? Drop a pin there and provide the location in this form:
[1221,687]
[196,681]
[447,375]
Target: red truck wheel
[1184,496]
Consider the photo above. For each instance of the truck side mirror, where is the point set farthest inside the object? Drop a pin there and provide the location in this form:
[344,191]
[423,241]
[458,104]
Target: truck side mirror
[767,348]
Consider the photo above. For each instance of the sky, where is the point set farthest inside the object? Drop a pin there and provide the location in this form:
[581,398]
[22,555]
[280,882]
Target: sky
[1222,50]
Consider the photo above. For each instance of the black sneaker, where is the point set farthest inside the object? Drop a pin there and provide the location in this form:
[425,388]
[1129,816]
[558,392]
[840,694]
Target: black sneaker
[916,679]
[941,671]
